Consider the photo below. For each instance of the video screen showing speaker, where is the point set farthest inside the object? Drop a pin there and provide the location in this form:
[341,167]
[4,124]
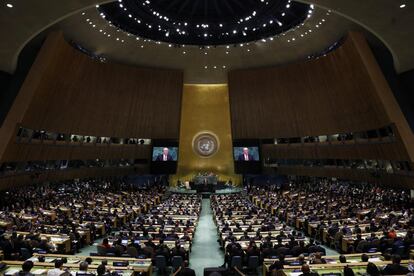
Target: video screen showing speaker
[164,156]
[246,154]
[166,153]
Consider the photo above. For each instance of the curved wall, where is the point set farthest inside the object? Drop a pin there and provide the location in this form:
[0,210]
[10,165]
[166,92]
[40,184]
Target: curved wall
[68,92]
[342,92]
[332,94]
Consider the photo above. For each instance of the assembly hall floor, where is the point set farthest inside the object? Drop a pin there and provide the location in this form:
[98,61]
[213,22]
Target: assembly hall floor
[206,250]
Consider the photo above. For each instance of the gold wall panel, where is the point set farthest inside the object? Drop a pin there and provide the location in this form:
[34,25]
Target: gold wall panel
[205,108]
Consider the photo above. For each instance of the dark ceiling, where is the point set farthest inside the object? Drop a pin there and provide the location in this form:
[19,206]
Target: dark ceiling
[205,22]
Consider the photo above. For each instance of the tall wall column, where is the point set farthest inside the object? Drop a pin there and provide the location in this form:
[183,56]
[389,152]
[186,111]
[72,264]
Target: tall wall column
[205,109]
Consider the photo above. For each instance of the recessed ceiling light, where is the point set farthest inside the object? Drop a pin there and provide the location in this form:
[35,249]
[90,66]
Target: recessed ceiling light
[9,5]
[402,6]
[203,33]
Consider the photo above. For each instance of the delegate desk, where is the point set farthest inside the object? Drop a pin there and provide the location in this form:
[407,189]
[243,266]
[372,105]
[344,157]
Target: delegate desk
[169,243]
[165,228]
[137,265]
[204,183]
[245,244]
[41,269]
[85,233]
[350,258]
[61,243]
[332,268]
[263,234]
[153,234]
[5,224]
[99,226]
[349,240]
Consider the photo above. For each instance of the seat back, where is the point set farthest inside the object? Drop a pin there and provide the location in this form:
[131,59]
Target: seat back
[253,262]
[236,261]
[132,251]
[400,251]
[176,262]
[101,250]
[160,262]
[25,253]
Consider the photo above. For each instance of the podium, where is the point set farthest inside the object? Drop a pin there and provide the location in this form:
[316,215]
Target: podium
[209,179]
[205,183]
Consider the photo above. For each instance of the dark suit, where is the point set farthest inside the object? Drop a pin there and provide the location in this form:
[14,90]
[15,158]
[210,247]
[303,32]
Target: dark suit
[241,157]
[160,157]
[186,272]
[395,269]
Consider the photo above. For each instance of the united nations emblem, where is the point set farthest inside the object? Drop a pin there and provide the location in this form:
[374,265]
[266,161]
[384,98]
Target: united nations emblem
[205,144]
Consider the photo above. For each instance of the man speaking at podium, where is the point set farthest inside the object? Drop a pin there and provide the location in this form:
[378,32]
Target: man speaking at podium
[165,156]
[245,156]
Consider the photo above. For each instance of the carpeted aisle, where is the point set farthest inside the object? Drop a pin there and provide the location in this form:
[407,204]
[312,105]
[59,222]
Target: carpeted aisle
[205,251]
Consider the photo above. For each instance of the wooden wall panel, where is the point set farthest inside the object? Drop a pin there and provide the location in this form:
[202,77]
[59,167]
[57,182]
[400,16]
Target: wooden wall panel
[384,93]
[332,94]
[374,151]
[14,181]
[28,152]
[400,181]
[83,96]
[342,92]
[68,92]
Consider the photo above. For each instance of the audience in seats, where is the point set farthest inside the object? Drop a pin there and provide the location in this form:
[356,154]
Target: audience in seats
[165,230]
[45,218]
[287,223]
[351,217]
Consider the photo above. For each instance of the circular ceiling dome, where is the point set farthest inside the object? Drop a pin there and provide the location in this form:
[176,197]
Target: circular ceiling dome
[205,22]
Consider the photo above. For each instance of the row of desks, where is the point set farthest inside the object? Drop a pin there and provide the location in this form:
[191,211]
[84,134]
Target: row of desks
[62,242]
[359,268]
[312,227]
[169,243]
[134,266]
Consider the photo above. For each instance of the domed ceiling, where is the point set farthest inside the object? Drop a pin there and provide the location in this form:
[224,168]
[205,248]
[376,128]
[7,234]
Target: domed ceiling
[307,31]
[206,38]
[205,22]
